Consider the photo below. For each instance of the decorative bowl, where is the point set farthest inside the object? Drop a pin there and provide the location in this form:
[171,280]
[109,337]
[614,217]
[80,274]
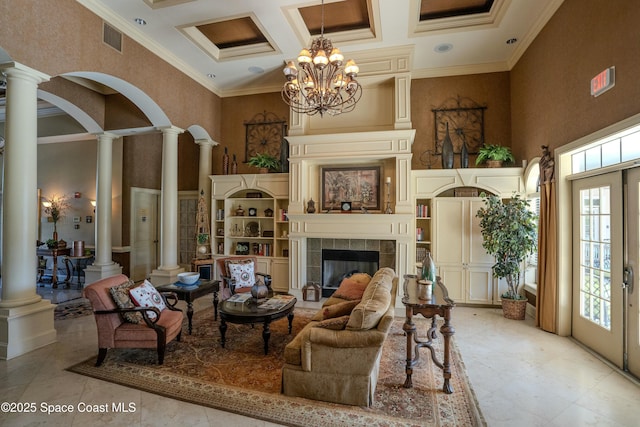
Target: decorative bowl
[188,278]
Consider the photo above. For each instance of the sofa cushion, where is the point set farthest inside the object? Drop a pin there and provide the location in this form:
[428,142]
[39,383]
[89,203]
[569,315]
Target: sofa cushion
[242,272]
[146,295]
[352,288]
[335,323]
[375,301]
[338,310]
[121,297]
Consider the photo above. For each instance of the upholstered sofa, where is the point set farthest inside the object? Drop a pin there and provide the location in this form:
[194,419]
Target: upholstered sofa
[341,364]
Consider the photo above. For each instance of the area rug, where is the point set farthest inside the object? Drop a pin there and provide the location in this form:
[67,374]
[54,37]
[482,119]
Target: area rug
[72,309]
[242,380]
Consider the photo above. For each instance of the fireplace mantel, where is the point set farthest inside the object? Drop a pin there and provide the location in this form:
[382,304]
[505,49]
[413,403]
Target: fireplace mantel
[309,153]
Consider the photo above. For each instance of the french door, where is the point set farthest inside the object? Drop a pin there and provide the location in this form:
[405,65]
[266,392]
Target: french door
[597,319]
[631,292]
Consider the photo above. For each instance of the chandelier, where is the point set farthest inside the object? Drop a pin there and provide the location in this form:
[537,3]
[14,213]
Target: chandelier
[321,84]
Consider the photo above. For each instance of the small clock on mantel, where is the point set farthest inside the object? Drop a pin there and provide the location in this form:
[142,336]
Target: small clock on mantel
[345,207]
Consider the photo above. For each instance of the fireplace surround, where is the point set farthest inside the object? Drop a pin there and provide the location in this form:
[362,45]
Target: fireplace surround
[392,233]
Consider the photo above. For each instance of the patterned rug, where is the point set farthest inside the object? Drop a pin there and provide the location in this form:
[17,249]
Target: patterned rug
[198,370]
[72,309]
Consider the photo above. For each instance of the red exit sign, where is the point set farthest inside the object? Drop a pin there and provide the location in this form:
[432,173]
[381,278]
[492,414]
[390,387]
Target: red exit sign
[604,81]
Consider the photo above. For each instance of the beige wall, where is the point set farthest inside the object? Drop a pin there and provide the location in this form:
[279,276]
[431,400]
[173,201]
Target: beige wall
[550,98]
[490,90]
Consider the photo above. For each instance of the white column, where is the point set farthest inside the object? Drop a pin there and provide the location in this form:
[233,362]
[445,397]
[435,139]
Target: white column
[26,320]
[103,265]
[168,270]
[204,183]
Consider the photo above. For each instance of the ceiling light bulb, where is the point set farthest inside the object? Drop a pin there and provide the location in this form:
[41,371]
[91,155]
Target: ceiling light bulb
[351,68]
[336,57]
[320,60]
[304,56]
[290,71]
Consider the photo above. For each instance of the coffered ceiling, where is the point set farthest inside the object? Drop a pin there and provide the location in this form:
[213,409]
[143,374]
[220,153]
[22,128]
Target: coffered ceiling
[240,47]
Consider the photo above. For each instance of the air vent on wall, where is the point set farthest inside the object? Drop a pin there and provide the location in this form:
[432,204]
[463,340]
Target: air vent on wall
[112,37]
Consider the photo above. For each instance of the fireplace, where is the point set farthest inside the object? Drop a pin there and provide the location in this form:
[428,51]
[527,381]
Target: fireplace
[340,263]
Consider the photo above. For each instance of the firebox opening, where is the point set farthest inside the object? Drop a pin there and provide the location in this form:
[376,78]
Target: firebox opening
[340,263]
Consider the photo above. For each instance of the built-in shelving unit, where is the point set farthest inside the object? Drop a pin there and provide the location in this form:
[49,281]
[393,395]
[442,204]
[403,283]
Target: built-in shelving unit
[250,218]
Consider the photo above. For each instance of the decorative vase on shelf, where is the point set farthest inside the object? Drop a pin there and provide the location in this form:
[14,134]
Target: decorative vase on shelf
[311,206]
[234,166]
[225,162]
[464,156]
[447,151]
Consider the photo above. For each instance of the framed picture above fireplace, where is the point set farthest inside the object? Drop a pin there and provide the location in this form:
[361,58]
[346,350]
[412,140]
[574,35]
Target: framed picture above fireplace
[359,185]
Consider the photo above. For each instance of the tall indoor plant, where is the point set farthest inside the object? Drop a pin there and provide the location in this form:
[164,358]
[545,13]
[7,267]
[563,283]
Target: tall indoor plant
[509,233]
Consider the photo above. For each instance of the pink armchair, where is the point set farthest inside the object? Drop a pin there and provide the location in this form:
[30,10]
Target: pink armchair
[114,332]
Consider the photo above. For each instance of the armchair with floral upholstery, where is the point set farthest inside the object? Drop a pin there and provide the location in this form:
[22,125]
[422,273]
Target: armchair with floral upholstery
[122,324]
[238,274]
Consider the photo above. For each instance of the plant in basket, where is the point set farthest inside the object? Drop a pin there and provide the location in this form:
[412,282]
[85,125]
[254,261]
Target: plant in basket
[509,233]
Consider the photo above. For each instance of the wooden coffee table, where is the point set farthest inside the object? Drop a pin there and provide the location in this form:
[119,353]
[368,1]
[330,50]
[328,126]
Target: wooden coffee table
[242,312]
[189,294]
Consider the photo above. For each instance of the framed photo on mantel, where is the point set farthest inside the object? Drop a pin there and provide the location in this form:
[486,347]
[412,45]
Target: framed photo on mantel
[359,185]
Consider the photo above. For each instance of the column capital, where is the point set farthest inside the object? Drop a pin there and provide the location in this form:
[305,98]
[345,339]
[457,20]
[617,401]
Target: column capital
[207,142]
[172,130]
[15,69]
[106,135]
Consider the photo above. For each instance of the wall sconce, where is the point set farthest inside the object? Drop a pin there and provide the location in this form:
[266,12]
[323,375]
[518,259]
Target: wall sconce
[93,203]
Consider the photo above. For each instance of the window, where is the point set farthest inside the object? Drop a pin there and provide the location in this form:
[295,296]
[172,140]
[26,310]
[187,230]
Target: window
[532,188]
[619,148]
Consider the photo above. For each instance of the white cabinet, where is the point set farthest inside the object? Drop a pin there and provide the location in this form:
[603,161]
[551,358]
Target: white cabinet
[464,265]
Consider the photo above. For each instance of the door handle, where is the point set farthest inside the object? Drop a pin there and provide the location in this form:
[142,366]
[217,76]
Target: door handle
[627,279]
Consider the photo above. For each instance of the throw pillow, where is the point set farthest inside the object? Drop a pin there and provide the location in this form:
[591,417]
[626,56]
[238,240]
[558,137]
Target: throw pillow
[352,288]
[242,273]
[146,295]
[375,301]
[336,323]
[120,295]
[338,310]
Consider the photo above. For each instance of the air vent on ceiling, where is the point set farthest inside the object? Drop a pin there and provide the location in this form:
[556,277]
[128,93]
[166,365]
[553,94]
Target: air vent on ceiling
[112,37]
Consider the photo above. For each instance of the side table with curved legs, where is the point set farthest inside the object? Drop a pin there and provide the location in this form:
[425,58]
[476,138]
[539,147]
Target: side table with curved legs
[439,305]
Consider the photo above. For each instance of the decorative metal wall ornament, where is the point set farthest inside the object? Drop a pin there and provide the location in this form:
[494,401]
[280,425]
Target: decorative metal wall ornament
[465,118]
[265,133]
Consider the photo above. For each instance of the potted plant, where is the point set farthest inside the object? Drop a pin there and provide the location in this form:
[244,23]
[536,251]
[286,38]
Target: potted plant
[266,162]
[509,233]
[494,155]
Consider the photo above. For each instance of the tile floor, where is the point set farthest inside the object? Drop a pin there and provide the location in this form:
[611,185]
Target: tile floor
[521,375]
